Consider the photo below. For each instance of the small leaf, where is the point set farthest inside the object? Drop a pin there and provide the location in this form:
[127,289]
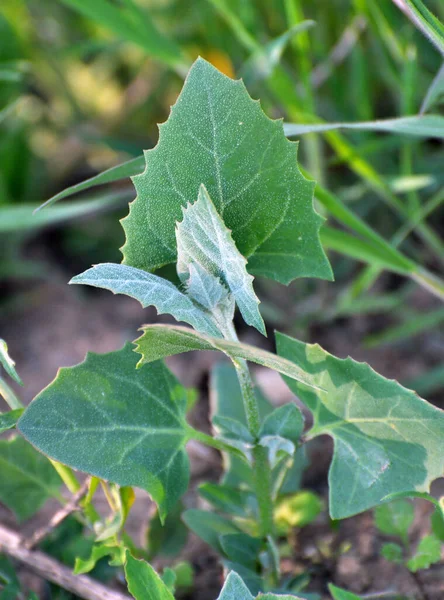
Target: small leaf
[427,553]
[241,548]
[99,551]
[119,423]
[218,136]
[437,520]
[296,510]
[9,419]
[149,290]
[277,447]
[28,478]
[395,518]
[167,538]
[203,240]
[209,526]
[392,552]
[143,581]
[228,499]
[339,594]
[7,362]
[387,439]
[232,429]
[234,589]
[285,421]
[159,341]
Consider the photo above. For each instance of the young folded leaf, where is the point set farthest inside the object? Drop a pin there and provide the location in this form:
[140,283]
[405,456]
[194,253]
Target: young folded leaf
[119,423]
[218,136]
[203,240]
[159,341]
[387,439]
[149,290]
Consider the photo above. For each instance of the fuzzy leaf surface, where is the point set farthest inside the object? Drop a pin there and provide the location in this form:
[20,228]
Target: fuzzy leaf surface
[7,363]
[119,423]
[387,439]
[28,478]
[203,240]
[234,589]
[159,341]
[149,290]
[218,136]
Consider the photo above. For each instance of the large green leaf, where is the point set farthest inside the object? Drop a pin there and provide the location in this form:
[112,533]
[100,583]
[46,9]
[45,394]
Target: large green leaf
[218,136]
[204,241]
[159,341]
[123,424]
[143,581]
[149,290]
[27,478]
[387,439]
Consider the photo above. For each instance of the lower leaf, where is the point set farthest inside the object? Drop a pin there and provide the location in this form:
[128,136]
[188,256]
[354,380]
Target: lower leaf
[119,423]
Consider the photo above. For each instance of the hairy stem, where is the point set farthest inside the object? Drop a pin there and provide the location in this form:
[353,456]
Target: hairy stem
[9,396]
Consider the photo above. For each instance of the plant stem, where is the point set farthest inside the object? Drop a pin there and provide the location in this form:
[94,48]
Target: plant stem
[10,398]
[261,465]
[67,476]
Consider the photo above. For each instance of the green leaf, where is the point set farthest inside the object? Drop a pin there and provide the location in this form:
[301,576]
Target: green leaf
[285,421]
[204,241]
[149,290]
[437,521]
[159,341]
[28,478]
[131,24]
[22,218]
[218,136]
[392,552]
[395,518]
[119,423]
[425,21]
[123,171]
[143,581]
[9,582]
[427,553]
[7,362]
[99,551]
[9,419]
[387,439]
[429,126]
[296,510]
[234,589]
[339,594]
[167,538]
[228,499]
[241,548]
[209,526]
[435,92]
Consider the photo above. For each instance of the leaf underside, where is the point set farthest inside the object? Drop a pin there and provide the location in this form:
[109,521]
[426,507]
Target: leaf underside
[387,439]
[149,290]
[160,341]
[218,136]
[119,423]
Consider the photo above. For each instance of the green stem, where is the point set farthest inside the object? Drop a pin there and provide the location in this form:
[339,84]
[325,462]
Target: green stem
[67,476]
[208,440]
[9,396]
[248,396]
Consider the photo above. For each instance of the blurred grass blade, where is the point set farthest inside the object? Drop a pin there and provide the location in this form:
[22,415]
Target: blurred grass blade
[131,24]
[22,217]
[262,62]
[431,126]
[424,20]
[435,91]
[358,249]
[414,325]
[7,110]
[127,169]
